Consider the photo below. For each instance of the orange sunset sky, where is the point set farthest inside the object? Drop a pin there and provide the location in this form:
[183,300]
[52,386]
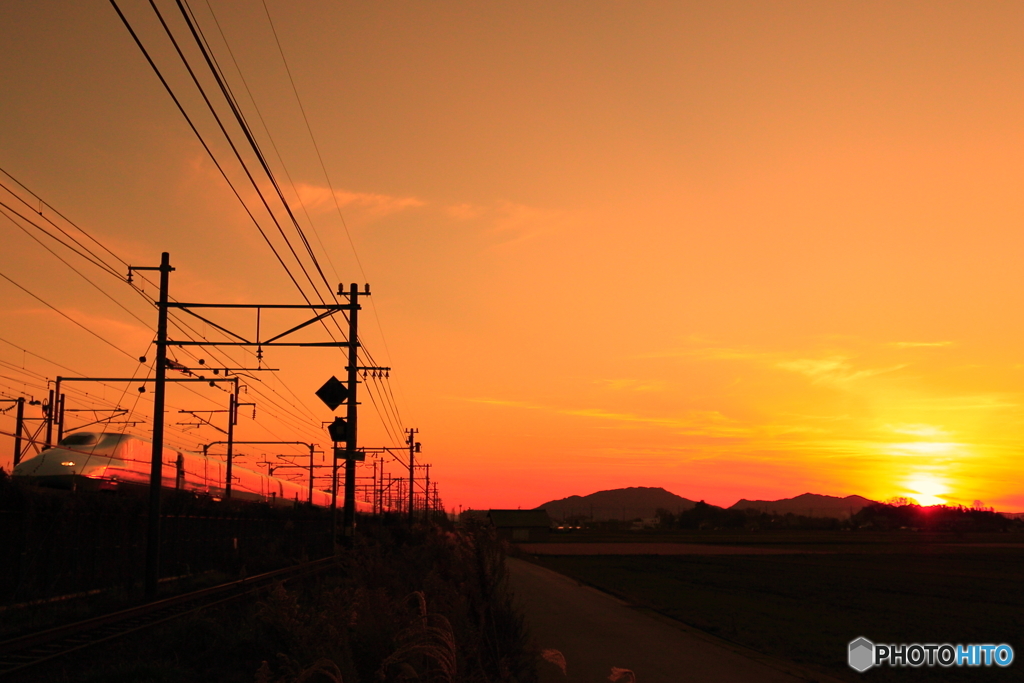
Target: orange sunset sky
[733,249]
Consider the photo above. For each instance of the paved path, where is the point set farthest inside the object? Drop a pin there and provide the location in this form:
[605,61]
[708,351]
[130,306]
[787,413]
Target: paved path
[595,632]
[660,549]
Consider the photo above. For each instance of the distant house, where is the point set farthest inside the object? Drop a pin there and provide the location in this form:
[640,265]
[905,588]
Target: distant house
[473,516]
[521,526]
[646,523]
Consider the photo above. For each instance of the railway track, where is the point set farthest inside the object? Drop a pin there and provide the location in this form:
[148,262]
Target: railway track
[18,654]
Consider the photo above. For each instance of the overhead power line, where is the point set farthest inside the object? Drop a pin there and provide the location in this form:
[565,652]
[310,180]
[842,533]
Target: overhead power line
[65,315]
[386,398]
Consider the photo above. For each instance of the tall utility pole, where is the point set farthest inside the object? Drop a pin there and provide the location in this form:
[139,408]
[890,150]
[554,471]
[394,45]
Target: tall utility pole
[60,417]
[426,496]
[347,429]
[48,412]
[159,394]
[156,474]
[352,413]
[19,419]
[17,430]
[412,469]
[232,419]
[334,495]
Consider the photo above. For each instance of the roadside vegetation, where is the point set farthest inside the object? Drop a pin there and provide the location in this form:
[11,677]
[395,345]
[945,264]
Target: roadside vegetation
[420,603]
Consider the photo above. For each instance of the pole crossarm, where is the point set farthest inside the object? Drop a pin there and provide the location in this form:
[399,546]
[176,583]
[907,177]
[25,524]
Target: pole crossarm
[390,451]
[307,444]
[114,412]
[202,420]
[320,311]
[308,307]
[214,343]
[206,368]
[143,379]
[219,327]
[312,320]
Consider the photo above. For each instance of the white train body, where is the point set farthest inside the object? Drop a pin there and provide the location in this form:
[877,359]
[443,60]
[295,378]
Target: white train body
[109,461]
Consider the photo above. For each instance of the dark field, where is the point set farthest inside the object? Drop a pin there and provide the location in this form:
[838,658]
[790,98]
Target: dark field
[806,608]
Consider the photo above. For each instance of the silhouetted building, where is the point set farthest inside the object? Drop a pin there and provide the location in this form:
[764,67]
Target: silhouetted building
[521,526]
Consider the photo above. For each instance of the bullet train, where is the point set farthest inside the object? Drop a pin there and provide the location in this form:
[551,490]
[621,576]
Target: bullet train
[109,461]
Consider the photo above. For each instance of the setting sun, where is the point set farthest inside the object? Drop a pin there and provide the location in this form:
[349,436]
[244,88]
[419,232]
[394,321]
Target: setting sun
[927,489]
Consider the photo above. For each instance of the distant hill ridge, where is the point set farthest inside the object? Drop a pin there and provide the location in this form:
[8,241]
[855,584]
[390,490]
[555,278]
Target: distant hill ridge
[809,505]
[625,504]
[642,501]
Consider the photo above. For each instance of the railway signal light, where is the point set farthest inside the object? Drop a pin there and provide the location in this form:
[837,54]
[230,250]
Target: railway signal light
[338,429]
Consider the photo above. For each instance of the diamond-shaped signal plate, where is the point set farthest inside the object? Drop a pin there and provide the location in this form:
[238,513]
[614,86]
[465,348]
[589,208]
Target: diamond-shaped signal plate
[333,393]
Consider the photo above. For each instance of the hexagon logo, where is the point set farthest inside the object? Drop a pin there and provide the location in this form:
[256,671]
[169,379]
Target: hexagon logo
[862,654]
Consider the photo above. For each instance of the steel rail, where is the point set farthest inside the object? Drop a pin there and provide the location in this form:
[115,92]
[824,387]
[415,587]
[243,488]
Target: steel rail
[31,649]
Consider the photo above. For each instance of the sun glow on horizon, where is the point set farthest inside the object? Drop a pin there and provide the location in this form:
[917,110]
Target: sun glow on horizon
[927,489]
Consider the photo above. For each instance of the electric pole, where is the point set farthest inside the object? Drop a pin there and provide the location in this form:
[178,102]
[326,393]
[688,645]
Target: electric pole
[60,417]
[48,413]
[159,393]
[426,496]
[232,419]
[156,474]
[413,448]
[353,382]
[17,430]
[19,419]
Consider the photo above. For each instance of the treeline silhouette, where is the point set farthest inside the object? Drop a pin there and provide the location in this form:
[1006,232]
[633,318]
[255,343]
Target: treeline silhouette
[704,516]
[932,518]
[880,517]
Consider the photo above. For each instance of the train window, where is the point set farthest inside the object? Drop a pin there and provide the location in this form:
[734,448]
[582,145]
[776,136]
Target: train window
[80,439]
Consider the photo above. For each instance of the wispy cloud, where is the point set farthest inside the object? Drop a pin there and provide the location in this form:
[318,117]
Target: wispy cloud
[969,402]
[692,423]
[709,423]
[924,431]
[833,370]
[506,222]
[911,345]
[710,352]
[633,384]
[318,198]
[465,212]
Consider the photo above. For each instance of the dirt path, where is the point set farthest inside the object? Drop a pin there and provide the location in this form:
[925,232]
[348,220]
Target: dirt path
[595,632]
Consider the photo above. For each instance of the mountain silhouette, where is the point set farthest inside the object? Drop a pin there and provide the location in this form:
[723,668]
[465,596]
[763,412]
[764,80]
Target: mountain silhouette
[623,504]
[809,505]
